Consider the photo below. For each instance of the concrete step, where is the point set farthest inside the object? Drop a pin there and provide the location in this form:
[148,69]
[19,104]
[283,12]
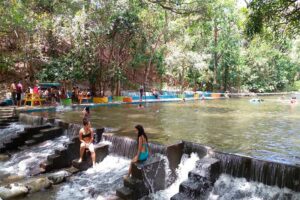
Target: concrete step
[52,157]
[30,142]
[132,183]
[4,125]
[61,151]
[181,196]
[124,193]
[46,166]
[5,115]
[194,188]
[9,120]
[49,133]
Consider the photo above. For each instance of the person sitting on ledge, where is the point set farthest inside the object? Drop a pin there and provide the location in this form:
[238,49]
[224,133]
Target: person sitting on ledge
[86,136]
[143,148]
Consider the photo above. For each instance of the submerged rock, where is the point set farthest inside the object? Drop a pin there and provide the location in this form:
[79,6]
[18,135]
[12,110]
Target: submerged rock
[58,177]
[38,184]
[12,191]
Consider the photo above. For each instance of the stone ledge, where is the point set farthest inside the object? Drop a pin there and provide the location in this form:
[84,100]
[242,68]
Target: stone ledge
[101,151]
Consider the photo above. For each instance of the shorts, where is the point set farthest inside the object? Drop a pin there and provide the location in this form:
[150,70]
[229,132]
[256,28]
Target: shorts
[90,146]
[18,96]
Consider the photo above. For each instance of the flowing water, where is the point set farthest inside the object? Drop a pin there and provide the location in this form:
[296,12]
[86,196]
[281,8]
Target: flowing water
[26,162]
[227,187]
[268,130]
[187,164]
[10,131]
[99,183]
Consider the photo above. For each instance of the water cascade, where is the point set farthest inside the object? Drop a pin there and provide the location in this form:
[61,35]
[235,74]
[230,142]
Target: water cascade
[187,164]
[26,162]
[96,183]
[185,170]
[227,187]
[31,119]
[269,173]
[127,147]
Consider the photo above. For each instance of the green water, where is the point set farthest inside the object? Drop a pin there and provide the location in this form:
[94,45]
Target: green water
[268,130]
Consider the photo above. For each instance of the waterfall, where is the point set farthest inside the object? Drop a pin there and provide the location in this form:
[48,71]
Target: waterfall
[267,172]
[73,130]
[30,119]
[127,147]
[187,164]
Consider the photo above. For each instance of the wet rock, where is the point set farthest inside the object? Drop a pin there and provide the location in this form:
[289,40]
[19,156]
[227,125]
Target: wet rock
[38,184]
[58,177]
[12,191]
[13,178]
[4,157]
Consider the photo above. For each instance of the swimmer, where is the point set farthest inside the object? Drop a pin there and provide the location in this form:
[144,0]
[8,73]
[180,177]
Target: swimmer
[293,100]
[140,106]
[86,113]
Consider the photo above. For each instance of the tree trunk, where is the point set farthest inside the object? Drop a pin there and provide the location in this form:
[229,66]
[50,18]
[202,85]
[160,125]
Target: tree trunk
[215,54]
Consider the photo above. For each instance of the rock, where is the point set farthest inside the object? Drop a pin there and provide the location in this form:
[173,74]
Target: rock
[13,178]
[37,184]
[4,157]
[58,177]
[13,190]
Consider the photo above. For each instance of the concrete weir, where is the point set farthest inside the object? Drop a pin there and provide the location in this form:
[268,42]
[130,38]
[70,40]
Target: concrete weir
[157,173]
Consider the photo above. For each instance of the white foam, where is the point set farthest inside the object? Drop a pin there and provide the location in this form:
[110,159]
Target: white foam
[227,187]
[99,182]
[28,160]
[187,164]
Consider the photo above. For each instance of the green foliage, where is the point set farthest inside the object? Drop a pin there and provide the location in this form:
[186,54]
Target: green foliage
[267,68]
[186,42]
[281,16]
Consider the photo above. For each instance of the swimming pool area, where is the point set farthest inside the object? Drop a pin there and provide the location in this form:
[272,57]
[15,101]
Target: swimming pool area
[267,130]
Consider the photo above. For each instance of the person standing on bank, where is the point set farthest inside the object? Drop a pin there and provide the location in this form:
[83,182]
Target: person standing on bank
[86,136]
[19,88]
[141,92]
[13,90]
[143,148]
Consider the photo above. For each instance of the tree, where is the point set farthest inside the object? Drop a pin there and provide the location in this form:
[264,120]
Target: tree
[281,16]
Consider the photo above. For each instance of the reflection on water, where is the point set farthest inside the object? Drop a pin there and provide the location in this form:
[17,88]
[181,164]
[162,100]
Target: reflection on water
[268,130]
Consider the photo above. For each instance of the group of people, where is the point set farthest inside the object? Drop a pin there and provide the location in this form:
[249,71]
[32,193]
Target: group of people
[86,137]
[16,90]
[78,93]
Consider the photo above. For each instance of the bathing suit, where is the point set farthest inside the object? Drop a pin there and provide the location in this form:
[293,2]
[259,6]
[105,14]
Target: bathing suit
[144,155]
[86,145]
[86,135]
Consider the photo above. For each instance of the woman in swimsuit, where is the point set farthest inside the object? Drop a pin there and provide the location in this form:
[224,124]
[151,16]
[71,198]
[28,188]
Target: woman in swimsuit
[86,136]
[143,147]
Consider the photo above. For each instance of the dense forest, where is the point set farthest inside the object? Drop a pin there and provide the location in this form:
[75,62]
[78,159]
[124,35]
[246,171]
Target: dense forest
[121,44]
